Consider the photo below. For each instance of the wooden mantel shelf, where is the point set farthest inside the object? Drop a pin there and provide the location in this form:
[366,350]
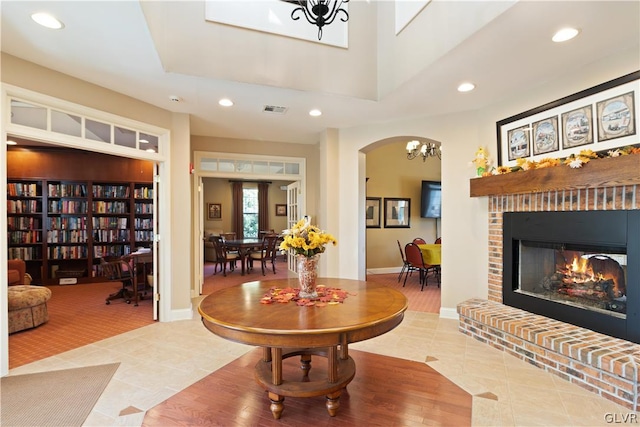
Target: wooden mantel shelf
[607,172]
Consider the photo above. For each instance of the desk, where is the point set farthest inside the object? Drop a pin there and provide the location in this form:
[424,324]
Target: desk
[243,246]
[431,253]
[285,330]
[144,259]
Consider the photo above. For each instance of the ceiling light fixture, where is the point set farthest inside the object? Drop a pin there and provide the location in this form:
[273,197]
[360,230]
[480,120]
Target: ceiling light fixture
[10,142]
[315,113]
[47,20]
[319,12]
[466,87]
[423,149]
[225,102]
[565,34]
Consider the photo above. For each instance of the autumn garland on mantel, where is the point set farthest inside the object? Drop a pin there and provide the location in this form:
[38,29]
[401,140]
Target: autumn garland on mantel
[574,161]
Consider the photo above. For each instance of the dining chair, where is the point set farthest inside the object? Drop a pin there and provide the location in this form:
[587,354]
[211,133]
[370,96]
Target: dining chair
[438,241]
[406,267]
[263,233]
[223,256]
[414,258]
[267,252]
[230,235]
[419,241]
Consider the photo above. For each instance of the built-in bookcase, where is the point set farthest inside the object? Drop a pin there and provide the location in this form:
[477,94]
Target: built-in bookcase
[63,228]
[25,222]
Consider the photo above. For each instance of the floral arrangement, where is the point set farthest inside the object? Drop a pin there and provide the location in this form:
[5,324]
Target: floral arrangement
[574,161]
[306,239]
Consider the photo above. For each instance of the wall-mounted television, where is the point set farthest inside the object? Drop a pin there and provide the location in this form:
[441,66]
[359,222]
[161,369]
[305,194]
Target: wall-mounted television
[431,199]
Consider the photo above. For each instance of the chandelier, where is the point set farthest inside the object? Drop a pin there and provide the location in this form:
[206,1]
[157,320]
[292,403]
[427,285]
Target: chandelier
[319,12]
[424,149]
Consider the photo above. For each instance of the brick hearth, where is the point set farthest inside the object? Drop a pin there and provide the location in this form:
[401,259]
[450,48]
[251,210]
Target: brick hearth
[599,363]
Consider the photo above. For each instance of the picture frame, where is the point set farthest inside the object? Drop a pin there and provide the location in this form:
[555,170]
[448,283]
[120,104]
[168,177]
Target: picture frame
[601,118]
[372,212]
[397,212]
[214,211]
[281,210]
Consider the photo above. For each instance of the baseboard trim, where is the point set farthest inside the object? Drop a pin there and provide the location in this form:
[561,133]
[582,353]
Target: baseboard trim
[183,314]
[449,313]
[386,270]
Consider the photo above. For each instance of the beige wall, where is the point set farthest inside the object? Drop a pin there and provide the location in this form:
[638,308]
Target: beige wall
[390,174]
[306,151]
[177,238]
[464,223]
[218,190]
[30,76]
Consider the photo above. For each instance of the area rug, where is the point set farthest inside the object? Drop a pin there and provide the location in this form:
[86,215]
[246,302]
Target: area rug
[54,398]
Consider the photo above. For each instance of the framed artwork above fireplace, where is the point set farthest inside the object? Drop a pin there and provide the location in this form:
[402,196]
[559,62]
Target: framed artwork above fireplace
[601,118]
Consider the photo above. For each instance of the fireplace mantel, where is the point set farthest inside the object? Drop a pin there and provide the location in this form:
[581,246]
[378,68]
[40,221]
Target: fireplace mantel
[607,172]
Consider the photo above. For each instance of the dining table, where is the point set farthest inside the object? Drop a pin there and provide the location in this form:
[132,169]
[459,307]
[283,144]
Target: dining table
[244,248]
[431,253]
[289,327]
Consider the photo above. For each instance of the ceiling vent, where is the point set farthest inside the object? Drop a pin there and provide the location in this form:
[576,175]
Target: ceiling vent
[274,109]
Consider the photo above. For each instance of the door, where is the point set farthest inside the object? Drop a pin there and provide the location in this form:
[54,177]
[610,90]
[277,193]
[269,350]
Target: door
[156,232]
[294,213]
[200,246]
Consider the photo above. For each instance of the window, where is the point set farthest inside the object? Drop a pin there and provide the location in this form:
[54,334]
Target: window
[250,212]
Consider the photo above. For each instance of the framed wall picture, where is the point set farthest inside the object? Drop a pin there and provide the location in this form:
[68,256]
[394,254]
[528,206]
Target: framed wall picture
[397,212]
[577,127]
[281,210]
[600,118]
[545,135]
[372,212]
[214,210]
[616,117]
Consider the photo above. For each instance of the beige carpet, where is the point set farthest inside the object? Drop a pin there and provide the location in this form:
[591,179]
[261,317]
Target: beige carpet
[55,398]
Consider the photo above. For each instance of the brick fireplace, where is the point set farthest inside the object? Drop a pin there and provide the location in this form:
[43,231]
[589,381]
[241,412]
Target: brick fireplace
[595,361]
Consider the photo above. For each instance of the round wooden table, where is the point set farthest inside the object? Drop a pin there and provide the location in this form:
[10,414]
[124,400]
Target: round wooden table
[285,329]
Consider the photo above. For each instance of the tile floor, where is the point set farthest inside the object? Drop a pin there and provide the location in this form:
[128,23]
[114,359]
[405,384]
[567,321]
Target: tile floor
[159,360]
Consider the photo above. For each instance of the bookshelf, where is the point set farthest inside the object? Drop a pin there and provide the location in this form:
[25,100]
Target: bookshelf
[24,222]
[68,208]
[63,228]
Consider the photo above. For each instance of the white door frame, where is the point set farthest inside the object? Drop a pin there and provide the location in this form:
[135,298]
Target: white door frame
[162,164]
[242,169]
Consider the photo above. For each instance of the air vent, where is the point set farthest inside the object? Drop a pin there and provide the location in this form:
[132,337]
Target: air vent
[274,109]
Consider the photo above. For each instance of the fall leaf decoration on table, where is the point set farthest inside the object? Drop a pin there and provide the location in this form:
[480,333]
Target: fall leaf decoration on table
[326,296]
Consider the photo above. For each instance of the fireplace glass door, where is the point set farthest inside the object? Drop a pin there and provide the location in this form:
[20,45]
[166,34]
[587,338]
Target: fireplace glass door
[588,277]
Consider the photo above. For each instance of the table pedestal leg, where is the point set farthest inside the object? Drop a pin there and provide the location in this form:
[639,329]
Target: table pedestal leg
[305,365]
[277,405]
[333,402]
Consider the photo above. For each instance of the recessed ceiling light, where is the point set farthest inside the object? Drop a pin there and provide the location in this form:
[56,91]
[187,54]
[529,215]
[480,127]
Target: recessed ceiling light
[225,102]
[144,141]
[565,34]
[466,87]
[315,113]
[150,150]
[10,142]
[47,20]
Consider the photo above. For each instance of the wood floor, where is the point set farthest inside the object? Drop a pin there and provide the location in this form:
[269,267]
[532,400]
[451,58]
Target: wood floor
[386,391]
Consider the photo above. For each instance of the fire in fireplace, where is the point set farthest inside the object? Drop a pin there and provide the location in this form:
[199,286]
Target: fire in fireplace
[579,267]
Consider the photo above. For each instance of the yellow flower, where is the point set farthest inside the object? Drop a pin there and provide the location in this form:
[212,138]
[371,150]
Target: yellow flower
[548,162]
[306,239]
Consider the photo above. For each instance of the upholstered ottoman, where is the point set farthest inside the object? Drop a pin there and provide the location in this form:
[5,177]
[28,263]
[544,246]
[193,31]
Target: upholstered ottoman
[27,306]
